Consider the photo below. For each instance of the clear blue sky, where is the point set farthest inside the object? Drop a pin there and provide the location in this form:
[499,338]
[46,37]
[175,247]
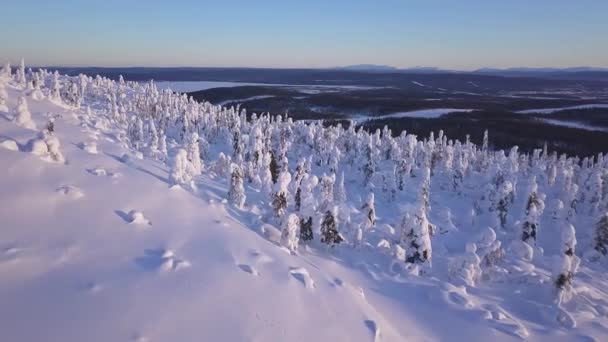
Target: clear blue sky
[457,34]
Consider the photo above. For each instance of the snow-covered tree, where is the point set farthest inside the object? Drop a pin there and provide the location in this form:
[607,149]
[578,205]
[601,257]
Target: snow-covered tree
[601,235]
[290,233]
[369,210]
[534,209]
[3,97]
[415,237]
[281,194]
[194,155]
[180,174]
[23,117]
[308,207]
[329,227]
[566,264]
[236,193]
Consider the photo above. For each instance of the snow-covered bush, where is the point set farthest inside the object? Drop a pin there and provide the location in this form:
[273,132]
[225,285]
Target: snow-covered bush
[466,268]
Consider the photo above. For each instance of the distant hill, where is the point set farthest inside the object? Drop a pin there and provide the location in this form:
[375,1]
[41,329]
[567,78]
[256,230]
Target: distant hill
[367,67]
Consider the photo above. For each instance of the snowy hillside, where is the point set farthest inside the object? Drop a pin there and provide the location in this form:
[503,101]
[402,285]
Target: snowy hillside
[133,214]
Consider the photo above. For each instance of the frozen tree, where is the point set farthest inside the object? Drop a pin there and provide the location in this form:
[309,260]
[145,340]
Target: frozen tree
[466,268]
[506,197]
[327,191]
[290,234]
[534,209]
[329,228]
[23,117]
[415,237]
[3,97]
[280,195]
[236,194]
[56,88]
[162,146]
[601,235]
[20,75]
[180,174]
[194,155]
[339,190]
[566,264]
[491,254]
[308,207]
[369,210]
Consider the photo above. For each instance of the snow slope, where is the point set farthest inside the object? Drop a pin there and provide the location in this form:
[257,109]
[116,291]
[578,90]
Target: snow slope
[103,248]
[553,110]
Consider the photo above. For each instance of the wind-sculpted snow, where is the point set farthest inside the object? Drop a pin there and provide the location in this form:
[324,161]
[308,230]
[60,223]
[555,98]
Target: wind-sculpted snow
[130,213]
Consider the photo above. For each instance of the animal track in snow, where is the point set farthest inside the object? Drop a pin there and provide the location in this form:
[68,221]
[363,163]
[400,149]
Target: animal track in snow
[89,147]
[302,275]
[504,322]
[249,269]
[134,217]
[70,191]
[101,172]
[162,260]
[373,328]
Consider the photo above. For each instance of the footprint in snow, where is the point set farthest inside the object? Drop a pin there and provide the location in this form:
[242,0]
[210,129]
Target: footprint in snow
[373,328]
[302,275]
[134,217]
[161,260]
[89,147]
[249,269]
[70,191]
[101,172]
[502,321]
[10,253]
[459,299]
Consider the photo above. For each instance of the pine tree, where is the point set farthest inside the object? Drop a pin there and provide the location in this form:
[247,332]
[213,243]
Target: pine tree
[534,209]
[23,116]
[369,209]
[274,168]
[194,155]
[179,170]
[415,237]
[3,97]
[329,228]
[280,195]
[236,194]
[601,235]
[291,233]
[308,207]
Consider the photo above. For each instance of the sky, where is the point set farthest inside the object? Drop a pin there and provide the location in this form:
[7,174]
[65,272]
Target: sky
[452,34]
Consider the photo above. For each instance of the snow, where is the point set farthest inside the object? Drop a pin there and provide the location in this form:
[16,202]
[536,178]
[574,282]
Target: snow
[189,86]
[418,84]
[553,110]
[99,247]
[252,98]
[574,124]
[422,113]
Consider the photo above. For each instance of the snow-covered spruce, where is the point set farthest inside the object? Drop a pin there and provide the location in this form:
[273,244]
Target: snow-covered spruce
[236,193]
[22,116]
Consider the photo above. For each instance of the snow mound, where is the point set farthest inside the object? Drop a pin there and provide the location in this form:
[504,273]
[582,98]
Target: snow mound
[10,145]
[70,191]
[137,217]
[89,147]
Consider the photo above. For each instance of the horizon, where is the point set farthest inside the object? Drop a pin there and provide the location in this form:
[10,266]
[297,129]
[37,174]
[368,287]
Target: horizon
[353,67]
[312,35]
